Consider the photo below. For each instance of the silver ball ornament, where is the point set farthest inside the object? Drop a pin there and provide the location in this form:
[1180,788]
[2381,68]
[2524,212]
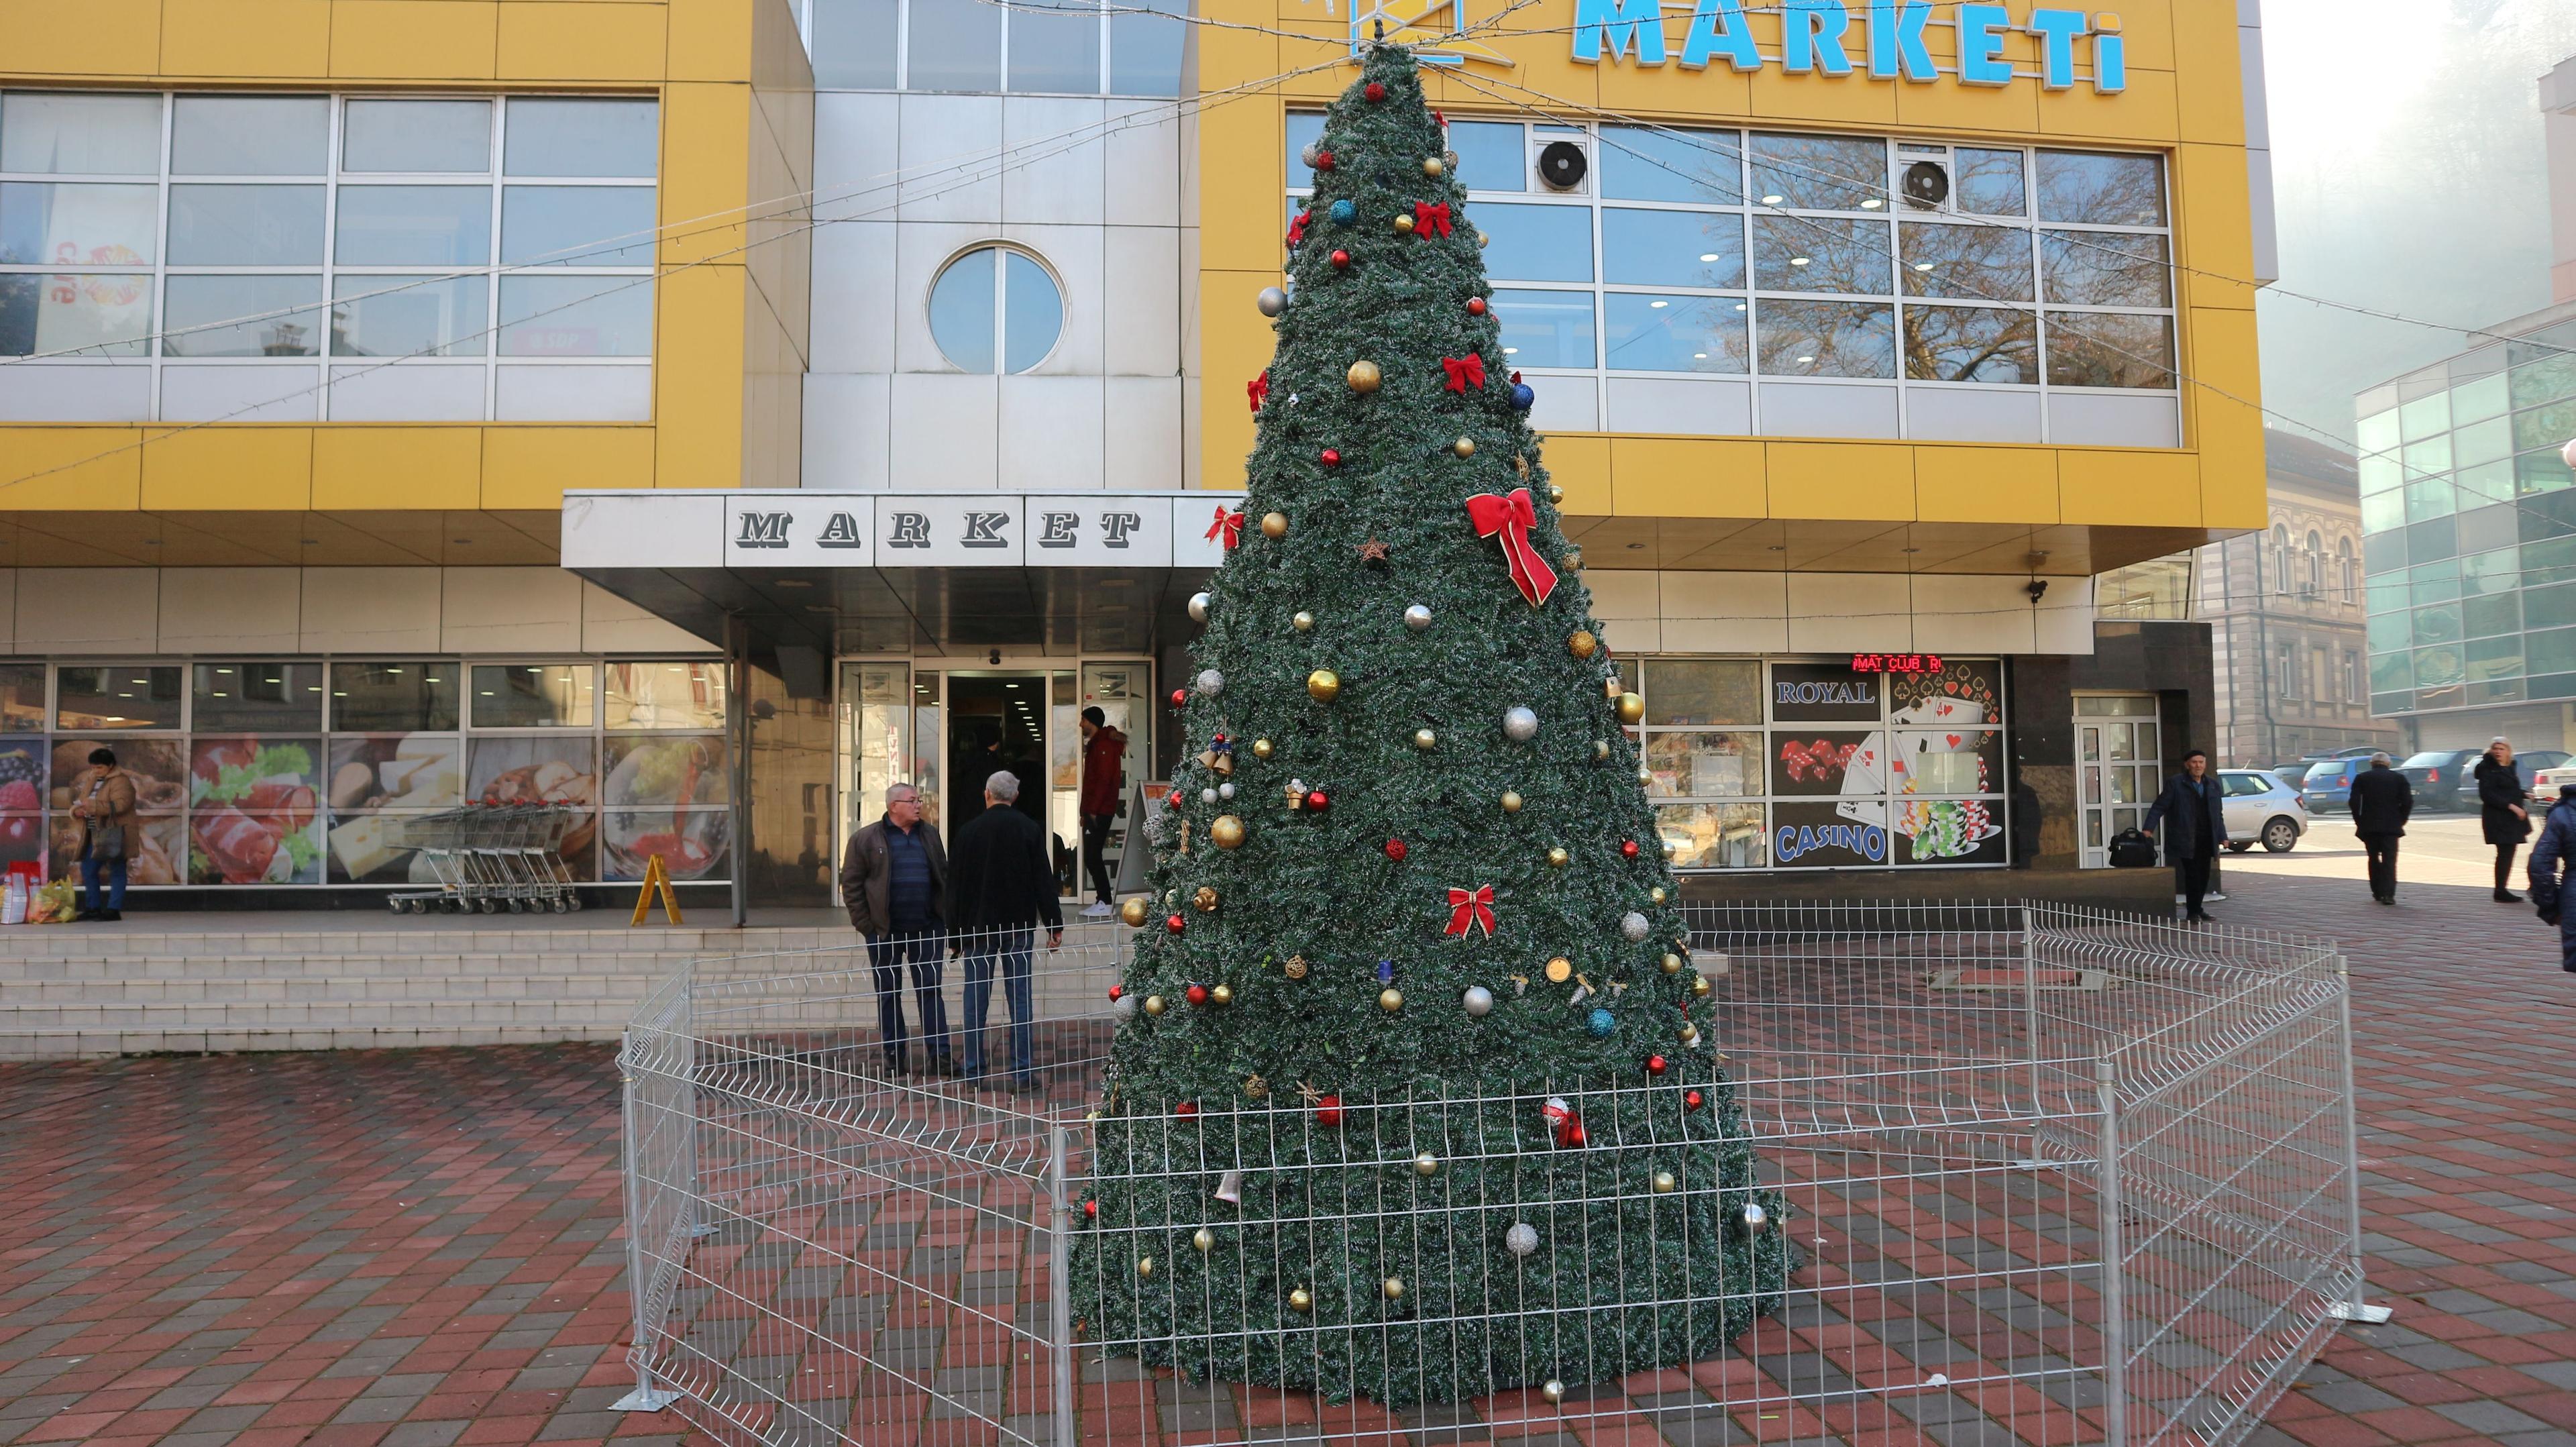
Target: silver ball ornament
[1124,1007]
[1520,725]
[1417,617]
[1522,1239]
[1554,1391]
[1477,1001]
[1210,682]
[1633,927]
[1308,155]
[1225,790]
[1198,607]
[1754,1217]
[1272,301]
[1207,796]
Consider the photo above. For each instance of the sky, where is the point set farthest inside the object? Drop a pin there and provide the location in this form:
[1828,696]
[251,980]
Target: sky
[2408,177]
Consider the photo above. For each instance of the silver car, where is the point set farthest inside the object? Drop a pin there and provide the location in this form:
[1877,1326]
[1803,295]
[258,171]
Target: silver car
[2260,808]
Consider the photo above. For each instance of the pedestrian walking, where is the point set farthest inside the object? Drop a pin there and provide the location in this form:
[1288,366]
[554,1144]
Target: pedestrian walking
[2381,802]
[2195,830]
[1001,886]
[893,879]
[2503,813]
[1104,773]
[103,800]
[2556,843]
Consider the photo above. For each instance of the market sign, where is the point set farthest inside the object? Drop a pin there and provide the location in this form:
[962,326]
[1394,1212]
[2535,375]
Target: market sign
[810,528]
[1817,37]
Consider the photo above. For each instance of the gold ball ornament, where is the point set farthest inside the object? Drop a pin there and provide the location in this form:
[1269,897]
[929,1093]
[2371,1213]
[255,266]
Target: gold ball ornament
[1363,376]
[1672,850]
[1555,494]
[1205,898]
[1556,857]
[1295,968]
[1403,224]
[1511,801]
[1672,963]
[1133,913]
[1424,738]
[1204,1239]
[1426,1164]
[1274,525]
[1255,1088]
[1483,241]
[1154,1004]
[1656,894]
[1226,831]
[1390,999]
[1582,644]
[1664,1186]
[1645,777]
[1434,167]
[1221,995]
[1464,447]
[1700,987]
[1632,707]
[1262,748]
[1560,970]
[1324,685]
[1600,749]
[1554,1391]
[1689,1033]
[1145,1266]
[1304,622]
[1301,1300]
[1394,1288]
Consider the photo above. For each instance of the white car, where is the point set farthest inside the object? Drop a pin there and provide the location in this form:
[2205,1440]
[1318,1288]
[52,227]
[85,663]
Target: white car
[2261,809]
[2545,786]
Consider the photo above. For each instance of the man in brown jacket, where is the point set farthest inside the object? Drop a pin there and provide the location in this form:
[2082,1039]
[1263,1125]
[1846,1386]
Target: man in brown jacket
[103,800]
[894,879]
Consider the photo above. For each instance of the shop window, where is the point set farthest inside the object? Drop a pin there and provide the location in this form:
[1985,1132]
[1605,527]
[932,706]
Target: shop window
[417,137]
[22,698]
[118,697]
[1132,49]
[534,695]
[255,697]
[407,696]
[666,696]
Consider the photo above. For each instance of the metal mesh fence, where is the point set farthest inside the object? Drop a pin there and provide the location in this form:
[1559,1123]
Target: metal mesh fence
[2021,1174]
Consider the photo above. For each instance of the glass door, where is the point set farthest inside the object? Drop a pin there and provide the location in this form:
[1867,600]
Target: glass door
[2118,766]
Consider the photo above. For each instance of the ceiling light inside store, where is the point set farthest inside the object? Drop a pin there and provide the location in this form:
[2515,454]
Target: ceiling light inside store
[1870,205]
[1802,361]
[1798,260]
[1699,356]
[1708,256]
[1922,266]
[1770,200]
[1659,305]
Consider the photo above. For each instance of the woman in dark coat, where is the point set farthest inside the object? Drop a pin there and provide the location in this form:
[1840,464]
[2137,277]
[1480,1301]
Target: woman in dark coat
[2501,812]
[2195,829]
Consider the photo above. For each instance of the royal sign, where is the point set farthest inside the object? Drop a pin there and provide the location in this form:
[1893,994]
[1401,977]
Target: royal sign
[1881,39]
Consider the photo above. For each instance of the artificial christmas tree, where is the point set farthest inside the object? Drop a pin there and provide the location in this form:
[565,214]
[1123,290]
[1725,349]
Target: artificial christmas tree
[1408,1097]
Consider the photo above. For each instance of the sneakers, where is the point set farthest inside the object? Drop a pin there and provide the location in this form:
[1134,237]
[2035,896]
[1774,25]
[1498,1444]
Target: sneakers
[2213,897]
[1098,909]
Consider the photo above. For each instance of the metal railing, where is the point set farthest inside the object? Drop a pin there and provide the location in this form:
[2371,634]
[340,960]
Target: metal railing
[2064,1175]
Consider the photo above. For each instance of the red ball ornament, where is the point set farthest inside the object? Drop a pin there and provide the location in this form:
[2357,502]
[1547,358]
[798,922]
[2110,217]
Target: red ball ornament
[1117,990]
[1187,1107]
[1572,1137]
[1341,259]
[1475,306]
[1628,849]
[1091,1209]
[1654,1065]
[1332,457]
[1176,924]
[1323,160]
[1395,849]
[1328,1110]
[1374,91]
[1316,800]
[1180,698]
[1196,994]
[1693,1100]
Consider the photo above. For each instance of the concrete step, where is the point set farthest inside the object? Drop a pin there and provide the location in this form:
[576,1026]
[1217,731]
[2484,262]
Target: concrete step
[619,990]
[59,1043]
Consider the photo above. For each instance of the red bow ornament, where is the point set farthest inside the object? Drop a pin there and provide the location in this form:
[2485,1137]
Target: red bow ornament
[1471,907]
[1512,515]
[1463,371]
[1258,389]
[1430,218]
[1297,227]
[1228,526]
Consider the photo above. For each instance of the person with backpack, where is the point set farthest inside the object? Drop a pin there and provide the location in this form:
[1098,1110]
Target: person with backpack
[2195,823]
[2547,872]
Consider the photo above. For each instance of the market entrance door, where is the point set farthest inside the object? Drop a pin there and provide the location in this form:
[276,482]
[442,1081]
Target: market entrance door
[995,721]
[2117,766]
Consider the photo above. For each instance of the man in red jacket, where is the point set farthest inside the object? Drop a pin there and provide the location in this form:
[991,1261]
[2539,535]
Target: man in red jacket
[1104,778]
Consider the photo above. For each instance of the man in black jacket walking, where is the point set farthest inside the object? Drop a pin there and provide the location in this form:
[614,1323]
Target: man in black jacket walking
[2381,802]
[1000,885]
[2195,826]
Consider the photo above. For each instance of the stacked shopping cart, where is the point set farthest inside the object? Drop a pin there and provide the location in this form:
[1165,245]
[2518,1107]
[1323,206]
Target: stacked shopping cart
[491,857]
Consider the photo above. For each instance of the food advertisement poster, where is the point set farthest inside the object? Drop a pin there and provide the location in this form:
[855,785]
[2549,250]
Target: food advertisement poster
[381,784]
[22,800]
[542,770]
[160,770]
[665,796]
[253,809]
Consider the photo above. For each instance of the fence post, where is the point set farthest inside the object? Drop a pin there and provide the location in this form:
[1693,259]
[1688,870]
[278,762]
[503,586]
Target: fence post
[2030,999]
[2115,1326]
[646,1397]
[1060,1288]
[2355,1309]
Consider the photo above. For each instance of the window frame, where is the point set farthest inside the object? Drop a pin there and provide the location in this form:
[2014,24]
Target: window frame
[334,180]
[1110,11]
[1002,251]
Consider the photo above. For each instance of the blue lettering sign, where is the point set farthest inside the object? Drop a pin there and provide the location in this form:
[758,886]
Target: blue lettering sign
[1794,841]
[1981,45]
[1717,28]
[1811,36]
[1619,25]
[1816,38]
[1896,40]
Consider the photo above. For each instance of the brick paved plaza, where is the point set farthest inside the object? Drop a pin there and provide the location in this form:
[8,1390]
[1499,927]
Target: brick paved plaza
[422,1247]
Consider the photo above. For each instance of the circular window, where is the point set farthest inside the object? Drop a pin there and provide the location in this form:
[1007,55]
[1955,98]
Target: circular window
[995,303]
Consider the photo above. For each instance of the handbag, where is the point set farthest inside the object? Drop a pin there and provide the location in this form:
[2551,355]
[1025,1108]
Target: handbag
[104,845]
[2132,849]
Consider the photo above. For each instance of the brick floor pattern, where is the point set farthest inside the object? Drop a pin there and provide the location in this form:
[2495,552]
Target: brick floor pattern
[420,1248]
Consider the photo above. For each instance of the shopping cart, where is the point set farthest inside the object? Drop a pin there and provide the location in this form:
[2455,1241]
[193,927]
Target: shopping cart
[491,857]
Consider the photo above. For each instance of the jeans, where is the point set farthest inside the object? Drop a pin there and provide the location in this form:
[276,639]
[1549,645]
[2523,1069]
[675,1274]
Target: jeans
[1013,943]
[2382,849]
[1095,853]
[2191,876]
[887,955]
[115,870]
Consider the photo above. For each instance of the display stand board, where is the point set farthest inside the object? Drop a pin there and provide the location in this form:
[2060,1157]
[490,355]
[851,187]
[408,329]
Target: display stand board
[1135,856]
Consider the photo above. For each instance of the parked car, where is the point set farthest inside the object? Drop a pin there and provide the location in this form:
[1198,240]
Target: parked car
[2545,784]
[2328,785]
[2261,809]
[2436,774]
[2528,766]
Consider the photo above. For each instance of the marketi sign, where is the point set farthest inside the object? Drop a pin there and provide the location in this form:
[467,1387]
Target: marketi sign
[1818,37]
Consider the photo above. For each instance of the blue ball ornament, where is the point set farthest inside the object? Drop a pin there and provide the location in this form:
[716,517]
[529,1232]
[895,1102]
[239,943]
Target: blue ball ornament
[1344,213]
[1522,397]
[1600,1023]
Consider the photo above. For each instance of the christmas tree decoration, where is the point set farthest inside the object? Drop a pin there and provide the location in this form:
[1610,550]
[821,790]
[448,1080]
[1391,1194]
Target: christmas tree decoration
[1553,1391]
[1204,1239]
[1274,525]
[1433,167]
[1403,224]
[1632,707]
[1393,1287]
[1555,494]
[1117,992]
[1483,241]
[1633,927]
[1210,682]
[1198,607]
[1175,924]
[1753,1215]
[1226,529]
[1330,457]
[1385,545]
[1145,1266]
[1124,1007]
[1154,1005]
[1091,1210]
[1186,1108]
[1627,848]
[1180,699]
[1523,396]
[1672,963]
[1693,1100]
[1204,897]
[1557,857]
[1656,894]
[1664,1186]
[1582,644]
[1426,1164]
[1302,621]
[1344,212]
[1272,301]
[1307,154]
[1700,987]
[1656,1065]
[1425,739]
[1363,376]
[1220,994]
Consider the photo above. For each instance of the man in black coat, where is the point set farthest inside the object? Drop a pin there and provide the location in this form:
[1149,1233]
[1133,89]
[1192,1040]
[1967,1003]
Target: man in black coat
[2195,829]
[1000,885]
[2381,802]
